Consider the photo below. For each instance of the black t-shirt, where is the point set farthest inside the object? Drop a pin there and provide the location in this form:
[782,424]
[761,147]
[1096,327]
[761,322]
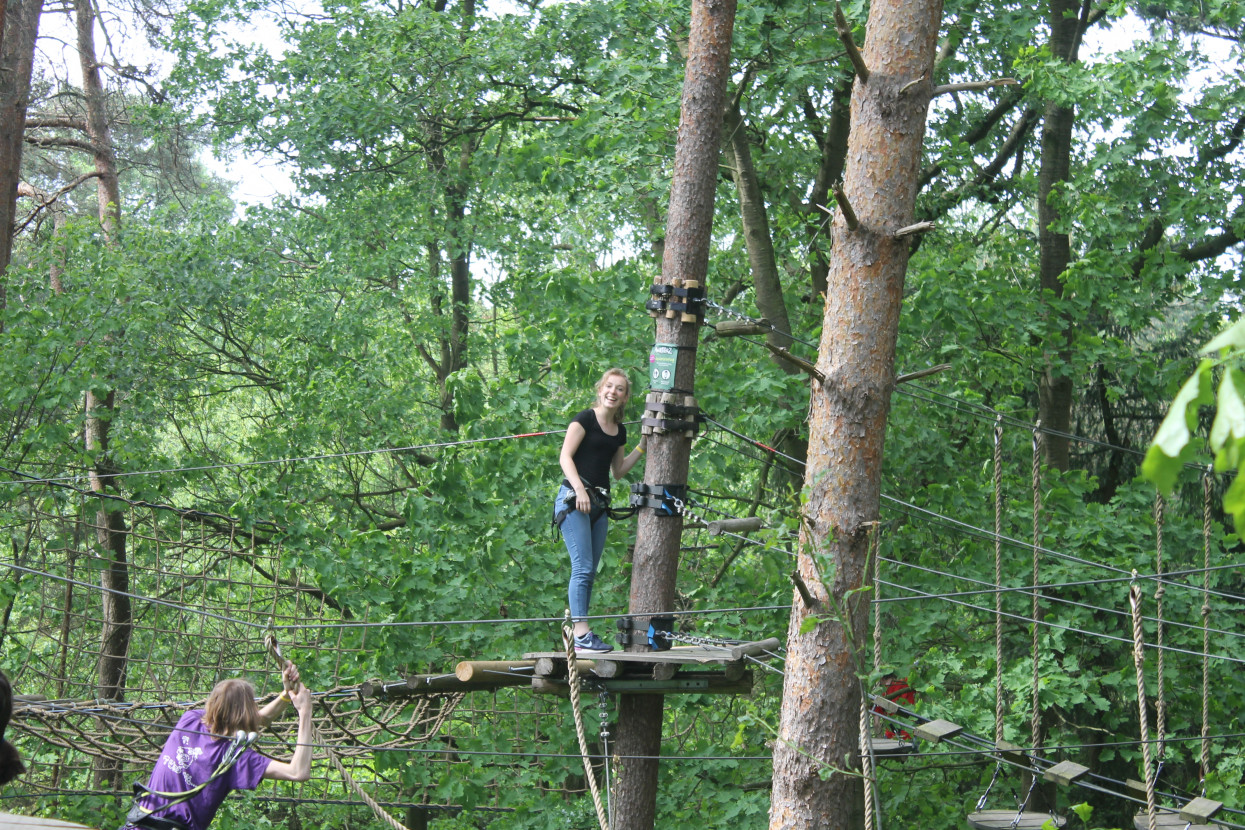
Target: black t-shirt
[597,450]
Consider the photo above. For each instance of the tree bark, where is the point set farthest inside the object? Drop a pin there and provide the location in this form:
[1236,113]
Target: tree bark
[1055,245]
[821,695]
[20,27]
[689,224]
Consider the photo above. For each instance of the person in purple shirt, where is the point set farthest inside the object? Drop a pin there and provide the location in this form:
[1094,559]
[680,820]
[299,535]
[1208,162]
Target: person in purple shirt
[208,756]
[592,449]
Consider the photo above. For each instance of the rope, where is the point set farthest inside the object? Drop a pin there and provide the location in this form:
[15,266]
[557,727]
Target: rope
[998,581]
[572,673]
[866,760]
[876,540]
[1035,724]
[1160,701]
[1205,760]
[1134,601]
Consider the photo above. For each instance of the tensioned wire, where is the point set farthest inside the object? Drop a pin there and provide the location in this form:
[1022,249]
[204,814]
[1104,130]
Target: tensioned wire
[958,404]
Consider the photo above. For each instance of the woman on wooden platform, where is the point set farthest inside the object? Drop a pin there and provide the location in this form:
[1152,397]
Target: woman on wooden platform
[208,755]
[593,448]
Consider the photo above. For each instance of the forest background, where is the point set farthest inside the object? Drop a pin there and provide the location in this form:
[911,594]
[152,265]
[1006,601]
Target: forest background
[477,215]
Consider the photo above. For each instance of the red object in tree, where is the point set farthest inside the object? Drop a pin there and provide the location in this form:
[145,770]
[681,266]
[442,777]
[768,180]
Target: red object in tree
[898,690]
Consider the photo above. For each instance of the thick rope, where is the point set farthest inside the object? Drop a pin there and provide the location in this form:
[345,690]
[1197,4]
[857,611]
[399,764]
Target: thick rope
[866,760]
[1160,699]
[1134,601]
[876,540]
[998,580]
[1205,760]
[572,673]
[1035,724]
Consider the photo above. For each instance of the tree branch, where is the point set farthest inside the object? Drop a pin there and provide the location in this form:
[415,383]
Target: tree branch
[853,53]
[973,86]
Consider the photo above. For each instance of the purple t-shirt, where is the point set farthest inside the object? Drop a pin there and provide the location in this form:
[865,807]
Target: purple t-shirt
[189,757]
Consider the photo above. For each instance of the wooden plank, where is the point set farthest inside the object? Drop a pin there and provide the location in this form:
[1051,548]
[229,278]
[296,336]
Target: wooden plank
[691,683]
[678,654]
[469,670]
[12,821]
[884,703]
[936,730]
[1065,772]
[1011,820]
[891,747]
[1200,810]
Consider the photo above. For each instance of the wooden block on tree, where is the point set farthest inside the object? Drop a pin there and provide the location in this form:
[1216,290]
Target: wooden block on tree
[936,730]
[1065,772]
[1200,810]
[665,671]
[545,686]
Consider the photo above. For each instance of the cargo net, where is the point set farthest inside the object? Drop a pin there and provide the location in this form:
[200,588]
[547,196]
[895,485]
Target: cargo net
[200,594]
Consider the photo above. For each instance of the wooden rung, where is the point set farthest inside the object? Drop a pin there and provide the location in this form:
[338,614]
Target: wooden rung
[1013,753]
[1200,810]
[1135,785]
[739,328]
[743,650]
[936,730]
[720,526]
[1065,772]
[484,669]
[887,705]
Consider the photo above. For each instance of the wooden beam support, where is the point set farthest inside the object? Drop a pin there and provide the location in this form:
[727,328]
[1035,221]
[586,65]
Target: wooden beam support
[743,650]
[483,669]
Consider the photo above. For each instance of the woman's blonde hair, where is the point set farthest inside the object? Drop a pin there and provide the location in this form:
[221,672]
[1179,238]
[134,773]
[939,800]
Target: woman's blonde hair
[231,707]
[617,414]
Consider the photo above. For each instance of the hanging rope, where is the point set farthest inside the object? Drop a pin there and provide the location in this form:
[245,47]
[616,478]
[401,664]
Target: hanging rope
[866,759]
[1160,699]
[1205,760]
[270,643]
[1035,724]
[998,580]
[572,674]
[1134,601]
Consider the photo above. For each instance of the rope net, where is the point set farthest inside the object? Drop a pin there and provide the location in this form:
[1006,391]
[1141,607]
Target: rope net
[201,594]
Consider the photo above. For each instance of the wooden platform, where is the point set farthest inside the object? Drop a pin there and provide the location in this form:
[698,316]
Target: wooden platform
[1009,819]
[9,821]
[698,655]
[1169,820]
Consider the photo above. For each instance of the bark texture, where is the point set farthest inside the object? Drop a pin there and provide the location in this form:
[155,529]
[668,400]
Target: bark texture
[689,224]
[20,31]
[821,694]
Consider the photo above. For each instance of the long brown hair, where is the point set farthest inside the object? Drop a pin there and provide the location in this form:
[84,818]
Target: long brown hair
[231,707]
[616,415]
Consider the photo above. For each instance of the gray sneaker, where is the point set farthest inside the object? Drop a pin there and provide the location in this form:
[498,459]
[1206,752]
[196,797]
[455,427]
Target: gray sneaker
[591,644]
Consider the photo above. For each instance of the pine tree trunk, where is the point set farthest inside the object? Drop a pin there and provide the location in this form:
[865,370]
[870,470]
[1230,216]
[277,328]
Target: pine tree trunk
[17,53]
[821,695]
[689,226]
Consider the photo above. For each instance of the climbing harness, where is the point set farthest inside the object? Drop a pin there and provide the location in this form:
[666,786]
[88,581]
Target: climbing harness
[600,505]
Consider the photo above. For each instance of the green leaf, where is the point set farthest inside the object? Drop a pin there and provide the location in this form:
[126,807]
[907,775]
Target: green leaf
[1231,338]
[1164,458]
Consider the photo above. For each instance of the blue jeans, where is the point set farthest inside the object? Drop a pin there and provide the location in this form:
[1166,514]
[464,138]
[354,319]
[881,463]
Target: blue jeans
[585,540]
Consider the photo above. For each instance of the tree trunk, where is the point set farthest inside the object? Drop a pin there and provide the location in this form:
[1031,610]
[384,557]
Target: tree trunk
[765,278]
[110,529]
[97,127]
[20,27]
[821,694]
[1055,245]
[689,225]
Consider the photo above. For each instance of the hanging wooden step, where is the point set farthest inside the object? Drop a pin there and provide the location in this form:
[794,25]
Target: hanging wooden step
[1011,820]
[892,747]
[1165,819]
